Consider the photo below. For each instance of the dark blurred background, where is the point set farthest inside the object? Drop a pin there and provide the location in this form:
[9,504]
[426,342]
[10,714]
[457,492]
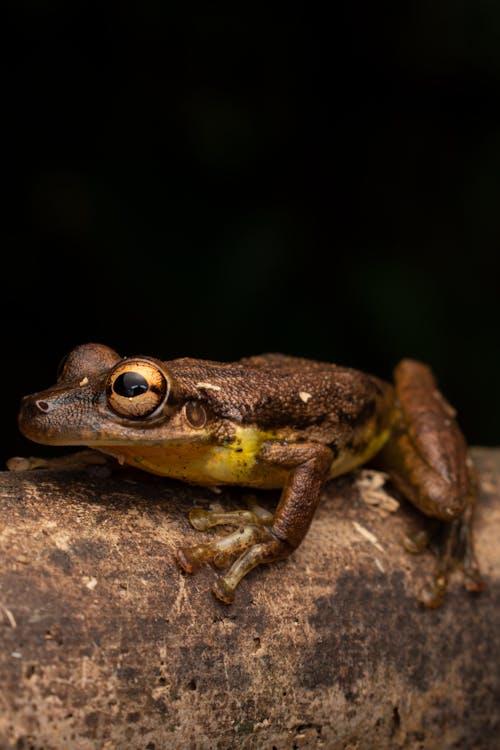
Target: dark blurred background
[217,184]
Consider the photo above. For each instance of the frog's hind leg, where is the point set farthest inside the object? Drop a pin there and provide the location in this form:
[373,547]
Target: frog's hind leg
[428,460]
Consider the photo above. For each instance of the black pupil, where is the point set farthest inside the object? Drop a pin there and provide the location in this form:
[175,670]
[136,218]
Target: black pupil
[130,384]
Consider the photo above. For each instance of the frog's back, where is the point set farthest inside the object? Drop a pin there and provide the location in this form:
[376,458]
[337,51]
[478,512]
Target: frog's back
[294,398]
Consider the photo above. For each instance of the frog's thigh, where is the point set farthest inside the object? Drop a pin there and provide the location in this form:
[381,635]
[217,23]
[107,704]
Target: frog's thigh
[427,455]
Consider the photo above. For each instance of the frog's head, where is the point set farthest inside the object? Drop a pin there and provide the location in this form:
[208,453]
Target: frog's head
[101,398]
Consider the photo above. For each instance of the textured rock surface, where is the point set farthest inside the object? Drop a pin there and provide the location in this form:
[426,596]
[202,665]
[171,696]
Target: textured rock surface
[107,644]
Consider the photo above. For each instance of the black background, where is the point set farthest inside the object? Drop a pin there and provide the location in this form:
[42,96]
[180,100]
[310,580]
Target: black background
[215,184]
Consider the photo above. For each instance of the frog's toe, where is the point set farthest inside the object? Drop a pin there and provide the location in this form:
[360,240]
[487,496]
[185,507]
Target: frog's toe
[454,550]
[264,552]
[223,590]
[473,580]
[433,591]
[220,551]
[416,542]
[189,558]
[202,519]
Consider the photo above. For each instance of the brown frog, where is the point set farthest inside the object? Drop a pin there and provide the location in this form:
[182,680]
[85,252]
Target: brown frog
[269,421]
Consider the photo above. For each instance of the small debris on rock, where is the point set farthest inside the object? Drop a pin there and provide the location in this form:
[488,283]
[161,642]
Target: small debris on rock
[368,535]
[370,484]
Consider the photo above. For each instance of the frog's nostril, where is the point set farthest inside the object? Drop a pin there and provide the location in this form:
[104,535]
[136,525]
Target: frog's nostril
[43,405]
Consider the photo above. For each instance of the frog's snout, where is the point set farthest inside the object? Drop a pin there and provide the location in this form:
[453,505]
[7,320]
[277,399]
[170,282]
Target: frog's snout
[44,406]
[33,418]
[46,417]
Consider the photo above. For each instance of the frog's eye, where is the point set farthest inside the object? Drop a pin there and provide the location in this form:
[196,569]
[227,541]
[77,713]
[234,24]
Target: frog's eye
[136,388]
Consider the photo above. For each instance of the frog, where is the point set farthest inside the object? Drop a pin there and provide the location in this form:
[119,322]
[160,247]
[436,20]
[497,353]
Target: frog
[270,421]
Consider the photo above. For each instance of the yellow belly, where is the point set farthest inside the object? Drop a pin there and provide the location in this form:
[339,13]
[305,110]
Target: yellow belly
[235,463]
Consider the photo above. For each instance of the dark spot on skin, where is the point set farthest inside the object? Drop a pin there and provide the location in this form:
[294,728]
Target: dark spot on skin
[96,398]
[334,448]
[359,417]
[356,446]
[311,421]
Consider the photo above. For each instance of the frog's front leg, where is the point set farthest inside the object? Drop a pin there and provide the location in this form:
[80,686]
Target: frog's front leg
[428,460]
[260,539]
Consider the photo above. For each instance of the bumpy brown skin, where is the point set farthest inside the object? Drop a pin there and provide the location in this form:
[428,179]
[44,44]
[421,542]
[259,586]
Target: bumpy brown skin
[428,460]
[427,451]
[307,421]
[259,391]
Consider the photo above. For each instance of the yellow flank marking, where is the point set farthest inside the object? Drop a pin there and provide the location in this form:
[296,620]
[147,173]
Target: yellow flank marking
[350,459]
[236,462]
[305,396]
[203,463]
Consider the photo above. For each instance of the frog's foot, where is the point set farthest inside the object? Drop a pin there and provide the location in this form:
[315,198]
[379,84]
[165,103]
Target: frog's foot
[453,548]
[416,542]
[253,541]
[262,537]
